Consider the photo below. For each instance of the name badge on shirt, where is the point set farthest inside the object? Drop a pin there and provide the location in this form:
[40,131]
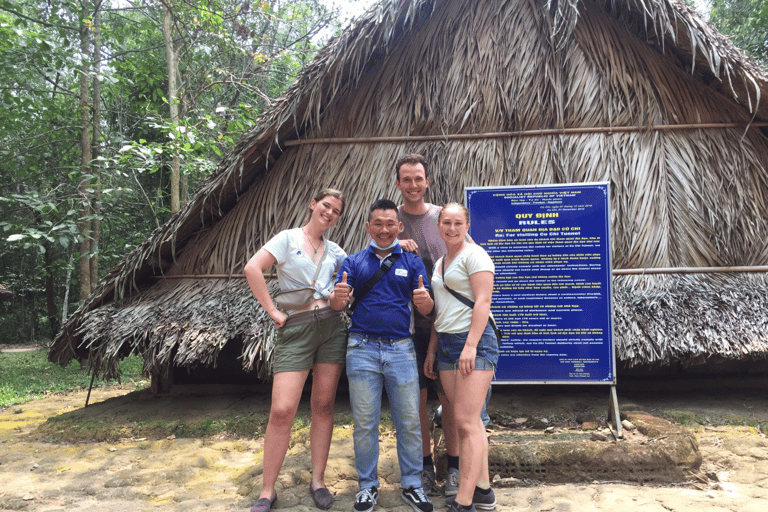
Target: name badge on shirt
[401,272]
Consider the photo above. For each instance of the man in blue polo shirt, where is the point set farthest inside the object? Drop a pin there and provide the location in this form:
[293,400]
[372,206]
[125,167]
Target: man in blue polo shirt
[380,352]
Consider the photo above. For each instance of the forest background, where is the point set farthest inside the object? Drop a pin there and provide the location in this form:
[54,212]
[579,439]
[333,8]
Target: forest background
[114,111]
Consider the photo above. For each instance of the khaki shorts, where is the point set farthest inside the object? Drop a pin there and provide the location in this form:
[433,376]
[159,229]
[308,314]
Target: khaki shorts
[322,340]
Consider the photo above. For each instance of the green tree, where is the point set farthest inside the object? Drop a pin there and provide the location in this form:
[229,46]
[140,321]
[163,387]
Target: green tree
[747,22]
[77,70]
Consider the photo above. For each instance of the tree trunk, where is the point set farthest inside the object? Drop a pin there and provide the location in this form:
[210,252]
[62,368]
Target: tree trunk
[96,148]
[173,102]
[65,306]
[50,292]
[85,162]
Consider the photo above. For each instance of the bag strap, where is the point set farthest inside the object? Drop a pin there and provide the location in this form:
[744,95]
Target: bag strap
[466,301]
[383,269]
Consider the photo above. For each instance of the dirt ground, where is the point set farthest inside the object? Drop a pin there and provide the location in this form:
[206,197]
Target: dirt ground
[222,471]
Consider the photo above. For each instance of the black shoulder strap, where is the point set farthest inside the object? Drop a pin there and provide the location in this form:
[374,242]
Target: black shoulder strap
[467,302]
[383,269]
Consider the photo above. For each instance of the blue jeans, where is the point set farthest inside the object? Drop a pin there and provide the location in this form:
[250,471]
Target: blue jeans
[373,364]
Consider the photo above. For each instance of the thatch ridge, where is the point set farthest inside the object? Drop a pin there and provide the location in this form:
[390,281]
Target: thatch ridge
[660,39]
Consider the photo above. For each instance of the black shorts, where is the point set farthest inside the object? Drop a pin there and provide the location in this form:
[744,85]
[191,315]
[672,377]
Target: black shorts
[420,345]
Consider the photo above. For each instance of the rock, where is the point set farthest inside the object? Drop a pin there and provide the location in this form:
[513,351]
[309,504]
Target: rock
[549,430]
[628,425]
[505,482]
[589,425]
[520,421]
[598,436]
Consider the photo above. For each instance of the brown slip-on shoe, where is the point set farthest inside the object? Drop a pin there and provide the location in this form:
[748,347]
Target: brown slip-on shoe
[322,497]
[264,504]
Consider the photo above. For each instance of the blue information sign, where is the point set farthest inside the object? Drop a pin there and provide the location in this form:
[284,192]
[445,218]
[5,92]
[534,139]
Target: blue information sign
[552,288]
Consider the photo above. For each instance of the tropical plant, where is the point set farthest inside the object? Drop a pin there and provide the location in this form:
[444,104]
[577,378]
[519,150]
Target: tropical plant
[88,77]
[747,22]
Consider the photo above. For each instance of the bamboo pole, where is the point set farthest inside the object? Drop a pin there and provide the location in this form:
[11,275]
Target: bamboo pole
[688,270]
[209,276]
[615,272]
[522,133]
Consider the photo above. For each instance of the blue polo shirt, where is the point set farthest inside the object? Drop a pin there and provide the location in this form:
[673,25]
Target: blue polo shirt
[386,310]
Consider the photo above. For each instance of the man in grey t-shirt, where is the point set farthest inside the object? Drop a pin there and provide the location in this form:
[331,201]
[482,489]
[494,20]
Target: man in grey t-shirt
[421,236]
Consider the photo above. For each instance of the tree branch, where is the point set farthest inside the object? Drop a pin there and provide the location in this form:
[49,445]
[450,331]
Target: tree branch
[39,22]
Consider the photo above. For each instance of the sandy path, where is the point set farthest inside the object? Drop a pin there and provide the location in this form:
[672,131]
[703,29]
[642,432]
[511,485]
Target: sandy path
[223,474]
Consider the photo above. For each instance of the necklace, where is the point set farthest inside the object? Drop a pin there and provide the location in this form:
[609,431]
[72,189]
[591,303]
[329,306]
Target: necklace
[310,241]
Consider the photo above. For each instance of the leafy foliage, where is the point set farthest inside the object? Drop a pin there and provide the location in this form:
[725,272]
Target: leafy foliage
[234,59]
[747,22]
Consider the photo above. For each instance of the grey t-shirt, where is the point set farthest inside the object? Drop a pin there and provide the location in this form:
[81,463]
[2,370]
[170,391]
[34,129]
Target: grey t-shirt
[422,229]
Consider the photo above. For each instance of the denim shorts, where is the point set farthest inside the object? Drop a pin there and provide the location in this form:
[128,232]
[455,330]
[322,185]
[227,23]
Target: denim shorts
[450,345]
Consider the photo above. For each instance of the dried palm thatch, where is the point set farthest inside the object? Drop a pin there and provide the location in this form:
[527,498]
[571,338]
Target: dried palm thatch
[570,91]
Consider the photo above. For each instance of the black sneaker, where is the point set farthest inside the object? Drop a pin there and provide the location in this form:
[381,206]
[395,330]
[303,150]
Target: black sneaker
[366,499]
[428,480]
[415,497]
[455,507]
[479,500]
[451,482]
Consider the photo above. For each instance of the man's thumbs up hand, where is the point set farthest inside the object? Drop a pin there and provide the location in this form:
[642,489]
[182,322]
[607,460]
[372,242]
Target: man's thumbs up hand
[342,294]
[421,298]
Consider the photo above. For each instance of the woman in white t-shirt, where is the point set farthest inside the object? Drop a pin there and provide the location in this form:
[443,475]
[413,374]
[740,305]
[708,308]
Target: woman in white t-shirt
[310,337]
[463,348]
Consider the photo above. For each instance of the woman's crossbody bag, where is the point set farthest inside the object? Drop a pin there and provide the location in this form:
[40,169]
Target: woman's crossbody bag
[468,302]
[299,298]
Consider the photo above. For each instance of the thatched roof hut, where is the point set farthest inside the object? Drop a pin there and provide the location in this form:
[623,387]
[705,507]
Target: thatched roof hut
[641,93]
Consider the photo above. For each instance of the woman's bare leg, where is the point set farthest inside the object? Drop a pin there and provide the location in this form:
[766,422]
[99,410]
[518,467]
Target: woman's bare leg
[473,443]
[325,379]
[286,394]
